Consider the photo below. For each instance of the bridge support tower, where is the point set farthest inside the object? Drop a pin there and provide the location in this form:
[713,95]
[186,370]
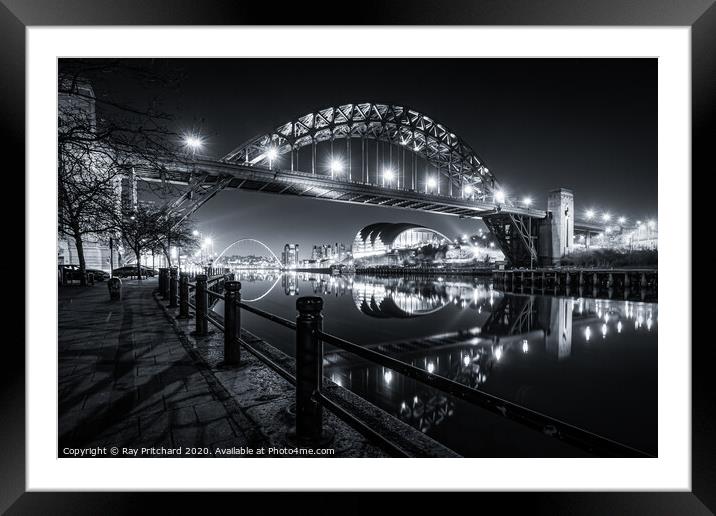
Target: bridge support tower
[528,241]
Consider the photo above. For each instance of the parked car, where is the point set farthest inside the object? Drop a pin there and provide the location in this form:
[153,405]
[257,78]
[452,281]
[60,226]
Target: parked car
[99,275]
[71,273]
[129,271]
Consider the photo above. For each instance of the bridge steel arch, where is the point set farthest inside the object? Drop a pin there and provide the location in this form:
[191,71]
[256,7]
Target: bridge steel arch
[221,255]
[395,124]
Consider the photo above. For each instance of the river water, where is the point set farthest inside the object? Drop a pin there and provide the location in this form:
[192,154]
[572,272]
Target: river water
[589,362]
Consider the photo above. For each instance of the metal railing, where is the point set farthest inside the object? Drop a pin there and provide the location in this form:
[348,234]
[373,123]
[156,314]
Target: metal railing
[308,379]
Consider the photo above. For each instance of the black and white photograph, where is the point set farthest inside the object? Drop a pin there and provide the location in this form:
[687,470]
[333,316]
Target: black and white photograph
[357,257]
[443,250]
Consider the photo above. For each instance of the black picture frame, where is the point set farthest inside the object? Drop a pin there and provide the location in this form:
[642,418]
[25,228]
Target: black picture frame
[700,15]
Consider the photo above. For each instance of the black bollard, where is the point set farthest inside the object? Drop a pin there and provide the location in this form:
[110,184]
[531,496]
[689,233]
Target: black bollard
[164,282]
[202,303]
[173,287]
[183,295]
[309,368]
[232,322]
[160,283]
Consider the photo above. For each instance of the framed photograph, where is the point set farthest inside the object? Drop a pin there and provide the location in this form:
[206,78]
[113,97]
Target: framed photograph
[449,252]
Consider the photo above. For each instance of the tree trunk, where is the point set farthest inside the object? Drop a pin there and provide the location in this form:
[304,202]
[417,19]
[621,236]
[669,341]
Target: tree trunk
[81,257]
[139,264]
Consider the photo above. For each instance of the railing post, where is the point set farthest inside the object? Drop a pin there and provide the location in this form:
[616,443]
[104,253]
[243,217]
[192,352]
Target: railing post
[309,368]
[232,322]
[202,304]
[165,284]
[162,280]
[173,287]
[183,295]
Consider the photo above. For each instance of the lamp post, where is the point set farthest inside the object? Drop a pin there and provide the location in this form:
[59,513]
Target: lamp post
[193,143]
[336,167]
[271,154]
[431,183]
[388,175]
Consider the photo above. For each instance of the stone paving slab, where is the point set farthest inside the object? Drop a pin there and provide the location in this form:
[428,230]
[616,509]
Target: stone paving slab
[130,374]
[268,399]
[125,378]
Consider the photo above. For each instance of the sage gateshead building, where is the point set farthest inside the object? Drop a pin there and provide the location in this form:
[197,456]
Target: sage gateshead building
[386,242]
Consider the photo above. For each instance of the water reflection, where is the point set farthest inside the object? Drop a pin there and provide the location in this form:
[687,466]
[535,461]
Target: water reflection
[591,362]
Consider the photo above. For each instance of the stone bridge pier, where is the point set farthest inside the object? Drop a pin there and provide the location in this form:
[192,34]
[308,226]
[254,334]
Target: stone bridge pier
[529,241]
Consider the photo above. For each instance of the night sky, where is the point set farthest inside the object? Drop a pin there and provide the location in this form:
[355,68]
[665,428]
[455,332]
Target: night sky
[586,124]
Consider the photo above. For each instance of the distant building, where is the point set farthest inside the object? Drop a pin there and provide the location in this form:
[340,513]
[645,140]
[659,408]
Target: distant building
[80,105]
[289,257]
[383,238]
[645,236]
[339,251]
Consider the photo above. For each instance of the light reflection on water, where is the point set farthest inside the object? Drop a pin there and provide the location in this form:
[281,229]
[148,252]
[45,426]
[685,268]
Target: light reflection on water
[590,362]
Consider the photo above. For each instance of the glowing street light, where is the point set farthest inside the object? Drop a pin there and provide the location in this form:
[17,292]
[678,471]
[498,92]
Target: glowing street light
[193,143]
[467,190]
[336,167]
[621,220]
[195,232]
[271,154]
[431,184]
[388,175]
[527,201]
[500,196]
[590,214]
[606,217]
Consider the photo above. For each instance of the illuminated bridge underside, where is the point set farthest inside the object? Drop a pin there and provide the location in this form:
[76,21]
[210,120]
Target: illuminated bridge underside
[205,178]
[393,124]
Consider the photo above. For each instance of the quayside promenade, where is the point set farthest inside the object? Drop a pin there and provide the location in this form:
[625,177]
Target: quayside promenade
[132,377]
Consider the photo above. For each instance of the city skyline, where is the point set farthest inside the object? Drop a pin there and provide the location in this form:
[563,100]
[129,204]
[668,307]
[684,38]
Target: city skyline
[539,124]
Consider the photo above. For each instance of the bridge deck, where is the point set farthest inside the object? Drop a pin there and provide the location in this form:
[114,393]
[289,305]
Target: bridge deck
[287,182]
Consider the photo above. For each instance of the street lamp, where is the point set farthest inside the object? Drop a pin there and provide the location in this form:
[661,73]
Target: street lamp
[621,220]
[431,184]
[500,196]
[467,190]
[527,201]
[388,175]
[271,154]
[336,167]
[606,217]
[590,214]
[193,143]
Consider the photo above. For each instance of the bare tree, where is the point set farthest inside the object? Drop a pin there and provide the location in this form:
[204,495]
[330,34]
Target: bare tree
[175,233]
[100,139]
[140,228]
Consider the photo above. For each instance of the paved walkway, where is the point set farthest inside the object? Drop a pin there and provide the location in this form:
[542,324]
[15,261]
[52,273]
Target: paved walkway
[126,379]
[131,376]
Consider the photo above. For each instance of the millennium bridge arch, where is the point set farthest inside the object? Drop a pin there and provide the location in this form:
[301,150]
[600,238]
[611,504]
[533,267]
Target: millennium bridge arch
[241,240]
